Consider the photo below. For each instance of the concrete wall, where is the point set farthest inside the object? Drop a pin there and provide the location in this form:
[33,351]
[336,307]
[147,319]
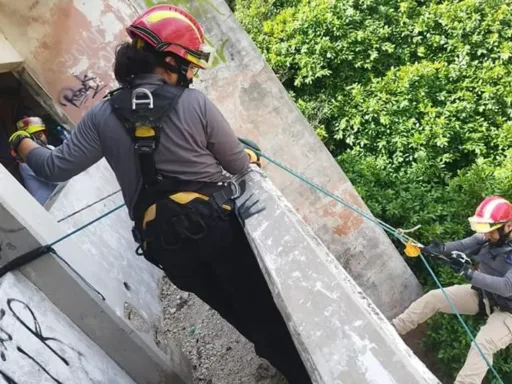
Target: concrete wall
[112,265]
[255,103]
[9,58]
[38,344]
[341,335]
[70,52]
[127,324]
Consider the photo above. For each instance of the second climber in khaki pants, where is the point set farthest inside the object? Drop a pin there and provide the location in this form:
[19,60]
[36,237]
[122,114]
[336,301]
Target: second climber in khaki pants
[490,291]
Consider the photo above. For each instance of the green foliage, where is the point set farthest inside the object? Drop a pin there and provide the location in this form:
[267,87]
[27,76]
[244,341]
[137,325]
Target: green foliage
[414,99]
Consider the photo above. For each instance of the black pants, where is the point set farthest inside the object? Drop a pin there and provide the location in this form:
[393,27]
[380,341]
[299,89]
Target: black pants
[218,265]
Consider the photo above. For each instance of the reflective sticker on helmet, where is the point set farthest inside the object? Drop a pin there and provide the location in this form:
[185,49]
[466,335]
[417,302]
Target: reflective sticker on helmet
[203,60]
[35,128]
[139,43]
[483,227]
[167,14]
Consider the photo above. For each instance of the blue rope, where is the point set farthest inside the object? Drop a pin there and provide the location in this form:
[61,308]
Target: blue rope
[75,231]
[88,206]
[337,198]
[402,237]
[466,328]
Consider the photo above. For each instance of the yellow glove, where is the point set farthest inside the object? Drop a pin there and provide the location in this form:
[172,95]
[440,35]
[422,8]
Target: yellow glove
[15,141]
[252,149]
[254,158]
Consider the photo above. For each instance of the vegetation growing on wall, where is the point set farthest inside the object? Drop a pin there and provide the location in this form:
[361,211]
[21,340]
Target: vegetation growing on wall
[414,99]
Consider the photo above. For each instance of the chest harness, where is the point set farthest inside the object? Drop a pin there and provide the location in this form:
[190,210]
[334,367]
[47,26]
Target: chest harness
[142,112]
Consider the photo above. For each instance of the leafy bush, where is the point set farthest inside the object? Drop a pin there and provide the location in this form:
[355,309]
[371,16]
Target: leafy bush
[414,100]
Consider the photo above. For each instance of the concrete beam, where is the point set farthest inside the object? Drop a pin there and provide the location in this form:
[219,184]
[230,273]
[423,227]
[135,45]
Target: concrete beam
[41,345]
[341,335]
[25,225]
[9,58]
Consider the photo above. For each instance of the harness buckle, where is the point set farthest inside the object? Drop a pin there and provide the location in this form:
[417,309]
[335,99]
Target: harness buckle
[235,189]
[141,91]
[144,146]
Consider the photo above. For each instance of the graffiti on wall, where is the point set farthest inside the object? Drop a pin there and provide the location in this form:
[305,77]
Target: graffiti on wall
[88,85]
[85,60]
[86,53]
[25,316]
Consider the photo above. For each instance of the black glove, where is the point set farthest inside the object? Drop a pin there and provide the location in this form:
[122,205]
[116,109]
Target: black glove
[461,264]
[248,208]
[463,270]
[435,248]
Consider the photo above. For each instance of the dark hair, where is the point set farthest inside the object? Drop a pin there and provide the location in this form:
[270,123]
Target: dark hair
[130,62]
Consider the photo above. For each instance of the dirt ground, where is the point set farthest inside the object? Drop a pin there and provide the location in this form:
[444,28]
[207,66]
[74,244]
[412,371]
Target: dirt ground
[219,354]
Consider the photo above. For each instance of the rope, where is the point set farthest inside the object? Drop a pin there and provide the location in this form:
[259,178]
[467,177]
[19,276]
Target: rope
[86,225]
[88,206]
[30,256]
[75,231]
[399,234]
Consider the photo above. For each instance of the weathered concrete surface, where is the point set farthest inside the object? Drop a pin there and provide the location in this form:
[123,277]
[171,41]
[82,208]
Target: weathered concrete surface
[70,53]
[257,105]
[70,50]
[38,344]
[340,333]
[9,58]
[24,226]
[112,265]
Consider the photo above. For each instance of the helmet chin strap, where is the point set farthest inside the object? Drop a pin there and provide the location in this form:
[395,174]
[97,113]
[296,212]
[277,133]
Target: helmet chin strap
[181,70]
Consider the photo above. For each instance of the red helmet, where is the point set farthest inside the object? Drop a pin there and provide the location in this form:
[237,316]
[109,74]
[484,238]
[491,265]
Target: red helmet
[491,214]
[171,29]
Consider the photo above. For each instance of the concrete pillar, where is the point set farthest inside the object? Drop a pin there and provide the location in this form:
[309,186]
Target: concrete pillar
[340,334]
[25,225]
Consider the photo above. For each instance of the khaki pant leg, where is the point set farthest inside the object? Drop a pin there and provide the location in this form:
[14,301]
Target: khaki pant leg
[463,297]
[495,335]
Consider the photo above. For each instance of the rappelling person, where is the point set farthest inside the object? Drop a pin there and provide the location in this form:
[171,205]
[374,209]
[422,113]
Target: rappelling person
[170,148]
[38,187]
[490,291]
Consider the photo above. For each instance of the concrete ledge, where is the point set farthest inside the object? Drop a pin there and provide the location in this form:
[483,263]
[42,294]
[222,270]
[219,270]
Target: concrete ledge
[340,333]
[25,225]
[9,58]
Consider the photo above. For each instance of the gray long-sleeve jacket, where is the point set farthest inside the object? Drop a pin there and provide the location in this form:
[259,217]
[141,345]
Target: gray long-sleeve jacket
[495,275]
[196,144]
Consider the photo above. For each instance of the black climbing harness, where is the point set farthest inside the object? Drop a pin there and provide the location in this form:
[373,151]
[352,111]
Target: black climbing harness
[142,112]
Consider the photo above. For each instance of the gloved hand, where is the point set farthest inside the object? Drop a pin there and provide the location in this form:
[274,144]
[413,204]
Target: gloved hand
[15,141]
[436,247]
[252,149]
[463,269]
[248,208]
[461,264]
